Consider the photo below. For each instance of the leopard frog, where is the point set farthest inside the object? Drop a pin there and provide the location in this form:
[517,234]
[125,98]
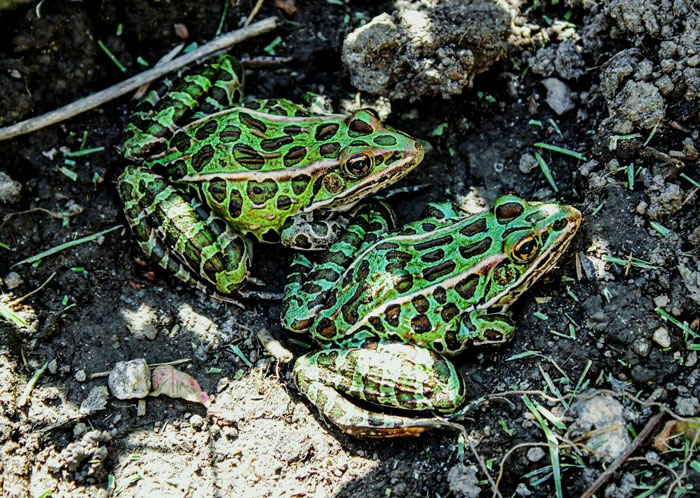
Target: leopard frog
[212,172]
[389,307]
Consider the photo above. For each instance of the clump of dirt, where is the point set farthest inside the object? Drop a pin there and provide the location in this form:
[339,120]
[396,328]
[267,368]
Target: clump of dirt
[422,49]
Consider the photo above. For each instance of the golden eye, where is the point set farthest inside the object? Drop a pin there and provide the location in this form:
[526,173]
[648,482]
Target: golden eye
[358,165]
[525,249]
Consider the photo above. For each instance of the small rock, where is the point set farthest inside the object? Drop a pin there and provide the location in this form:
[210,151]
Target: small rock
[522,490]
[117,418]
[535,454]
[80,376]
[222,384]
[80,429]
[527,163]
[463,481]
[141,408]
[687,407]
[602,415]
[692,359]
[53,366]
[9,189]
[661,301]
[13,280]
[662,337]
[130,379]
[641,347]
[559,95]
[196,421]
[95,401]
[568,63]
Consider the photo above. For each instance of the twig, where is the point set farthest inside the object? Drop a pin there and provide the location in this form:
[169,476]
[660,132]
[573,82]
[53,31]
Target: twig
[481,463]
[106,373]
[20,299]
[138,94]
[273,346]
[126,86]
[643,435]
[254,12]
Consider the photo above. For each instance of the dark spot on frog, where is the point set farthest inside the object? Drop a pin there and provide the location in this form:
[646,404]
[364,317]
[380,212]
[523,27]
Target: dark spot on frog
[326,131]
[473,228]
[508,211]
[391,314]
[449,312]
[326,328]
[206,130]
[420,303]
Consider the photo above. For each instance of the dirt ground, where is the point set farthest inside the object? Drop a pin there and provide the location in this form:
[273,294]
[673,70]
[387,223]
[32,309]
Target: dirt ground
[625,75]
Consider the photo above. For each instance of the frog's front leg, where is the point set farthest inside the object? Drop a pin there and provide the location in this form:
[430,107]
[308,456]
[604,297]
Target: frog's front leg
[311,232]
[479,328]
[180,235]
[307,283]
[386,374]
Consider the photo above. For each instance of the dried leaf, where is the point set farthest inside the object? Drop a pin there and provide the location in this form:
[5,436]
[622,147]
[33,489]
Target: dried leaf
[674,428]
[176,384]
[287,6]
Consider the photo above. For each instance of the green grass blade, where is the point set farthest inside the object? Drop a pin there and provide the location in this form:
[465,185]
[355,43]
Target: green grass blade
[67,245]
[561,150]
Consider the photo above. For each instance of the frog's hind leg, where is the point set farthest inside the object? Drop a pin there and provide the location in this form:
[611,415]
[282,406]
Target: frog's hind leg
[307,284]
[394,375]
[212,87]
[180,235]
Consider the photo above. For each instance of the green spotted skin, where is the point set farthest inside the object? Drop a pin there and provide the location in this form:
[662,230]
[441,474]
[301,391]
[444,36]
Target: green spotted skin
[211,170]
[388,305]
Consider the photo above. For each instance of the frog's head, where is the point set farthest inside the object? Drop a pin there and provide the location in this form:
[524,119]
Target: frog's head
[371,157]
[529,237]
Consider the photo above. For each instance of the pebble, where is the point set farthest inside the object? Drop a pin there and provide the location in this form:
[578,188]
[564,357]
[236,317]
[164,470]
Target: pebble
[687,407]
[600,419]
[463,481]
[661,301]
[80,376]
[196,421]
[527,163]
[662,337]
[559,95]
[141,408]
[53,366]
[535,454]
[641,347]
[9,189]
[80,429]
[692,359]
[522,490]
[95,401]
[13,280]
[130,379]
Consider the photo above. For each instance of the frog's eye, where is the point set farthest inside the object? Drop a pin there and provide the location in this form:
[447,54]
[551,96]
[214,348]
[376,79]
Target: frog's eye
[525,249]
[358,165]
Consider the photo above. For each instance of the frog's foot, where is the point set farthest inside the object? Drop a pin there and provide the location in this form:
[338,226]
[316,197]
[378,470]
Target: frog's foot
[484,328]
[213,86]
[307,284]
[311,232]
[306,233]
[181,236]
[393,375]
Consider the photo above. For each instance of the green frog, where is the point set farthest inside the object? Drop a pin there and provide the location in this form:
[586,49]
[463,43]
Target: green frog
[213,172]
[389,306]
